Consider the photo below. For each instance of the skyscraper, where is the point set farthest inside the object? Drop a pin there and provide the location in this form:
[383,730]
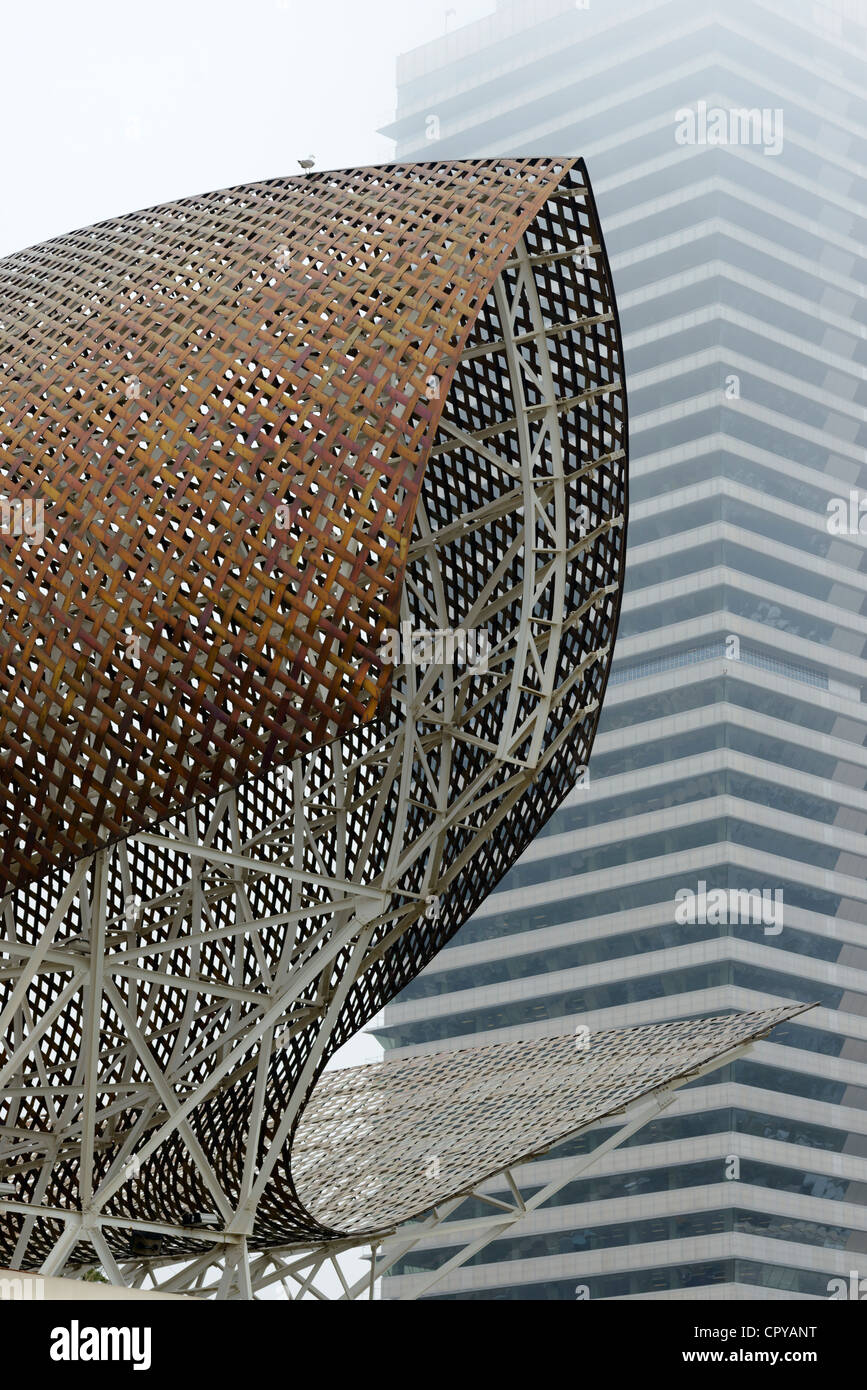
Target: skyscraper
[715,857]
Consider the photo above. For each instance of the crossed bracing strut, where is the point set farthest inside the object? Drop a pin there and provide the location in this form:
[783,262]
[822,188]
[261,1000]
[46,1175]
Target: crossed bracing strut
[236,999]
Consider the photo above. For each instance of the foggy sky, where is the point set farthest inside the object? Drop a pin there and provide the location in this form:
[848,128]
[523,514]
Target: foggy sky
[113,106]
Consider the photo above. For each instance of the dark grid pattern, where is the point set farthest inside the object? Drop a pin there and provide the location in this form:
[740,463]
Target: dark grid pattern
[361,1157]
[484,394]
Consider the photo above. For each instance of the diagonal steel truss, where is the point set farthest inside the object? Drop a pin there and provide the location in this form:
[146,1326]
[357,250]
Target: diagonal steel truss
[235,1272]
[164,1023]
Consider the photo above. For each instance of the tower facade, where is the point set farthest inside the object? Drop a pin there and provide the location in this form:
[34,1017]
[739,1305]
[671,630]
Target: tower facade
[713,857]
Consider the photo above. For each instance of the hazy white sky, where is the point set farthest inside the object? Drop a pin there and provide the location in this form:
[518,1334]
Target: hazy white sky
[112,106]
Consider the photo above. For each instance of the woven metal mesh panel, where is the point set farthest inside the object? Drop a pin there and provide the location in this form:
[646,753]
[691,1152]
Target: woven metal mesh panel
[362,1157]
[431,456]
[215,416]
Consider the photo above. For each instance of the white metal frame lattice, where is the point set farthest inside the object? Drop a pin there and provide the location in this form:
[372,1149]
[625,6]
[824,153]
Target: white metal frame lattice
[118,965]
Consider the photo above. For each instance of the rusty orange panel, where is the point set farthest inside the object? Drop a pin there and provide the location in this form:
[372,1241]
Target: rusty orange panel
[215,417]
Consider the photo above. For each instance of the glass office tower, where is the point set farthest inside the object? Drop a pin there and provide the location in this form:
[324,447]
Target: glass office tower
[727,145]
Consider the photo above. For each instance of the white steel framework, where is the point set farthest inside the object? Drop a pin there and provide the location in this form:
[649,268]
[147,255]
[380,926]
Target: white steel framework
[167,1016]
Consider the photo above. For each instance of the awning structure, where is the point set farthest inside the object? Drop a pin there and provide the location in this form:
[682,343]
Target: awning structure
[388,1153]
[384,1143]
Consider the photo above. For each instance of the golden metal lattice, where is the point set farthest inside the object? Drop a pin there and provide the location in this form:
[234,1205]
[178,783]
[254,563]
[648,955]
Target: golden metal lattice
[494,491]
[215,417]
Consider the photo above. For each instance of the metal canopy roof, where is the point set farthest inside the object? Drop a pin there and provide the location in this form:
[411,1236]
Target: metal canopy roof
[384,1143]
